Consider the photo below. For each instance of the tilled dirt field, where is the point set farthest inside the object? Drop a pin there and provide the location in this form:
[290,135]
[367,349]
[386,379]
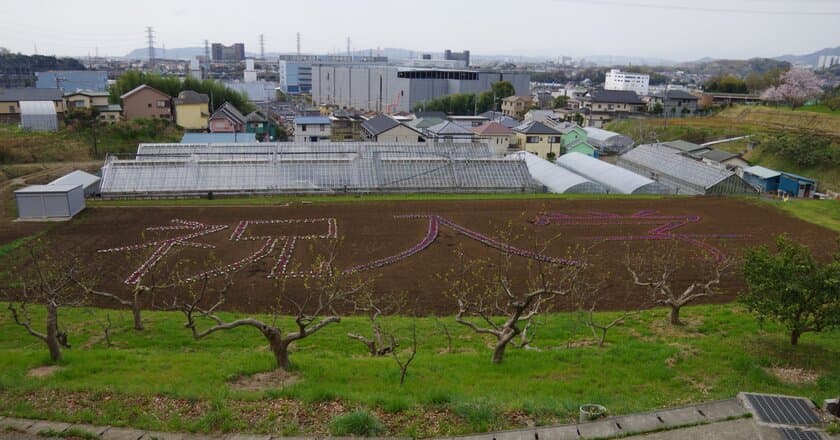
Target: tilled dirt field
[409,247]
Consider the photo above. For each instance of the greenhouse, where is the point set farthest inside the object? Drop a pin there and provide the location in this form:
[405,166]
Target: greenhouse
[608,142]
[192,170]
[38,116]
[681,173]
[615,179]
[556,179]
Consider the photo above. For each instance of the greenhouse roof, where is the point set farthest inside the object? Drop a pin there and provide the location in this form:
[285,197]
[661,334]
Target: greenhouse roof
[611,176]
[557,179]
[665,162]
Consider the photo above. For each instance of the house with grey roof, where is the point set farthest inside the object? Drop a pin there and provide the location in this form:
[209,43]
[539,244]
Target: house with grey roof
[383,128]
[227,119]
[449,132]
[674,103]
[313,129]
[501,118]
[685,175]
[725,160]
[540,139]
[602,106]
[10,100]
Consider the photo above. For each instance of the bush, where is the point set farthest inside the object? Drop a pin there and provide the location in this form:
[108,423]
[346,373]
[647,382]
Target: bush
[479,415]
[803,150]
[356,423]
[439,397]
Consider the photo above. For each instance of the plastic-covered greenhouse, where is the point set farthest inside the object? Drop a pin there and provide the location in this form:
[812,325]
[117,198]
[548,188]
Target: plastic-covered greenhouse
[608,141]
[174,170]
[38,116]
[616,179]
[557,179]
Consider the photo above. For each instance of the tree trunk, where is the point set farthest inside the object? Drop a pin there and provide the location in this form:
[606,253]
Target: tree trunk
[52,333]
[279,347]
[138,321]
[794,337]
[499,352]
[675,315]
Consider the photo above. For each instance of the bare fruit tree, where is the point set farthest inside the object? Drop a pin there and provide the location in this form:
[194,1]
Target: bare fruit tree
[404,361]
[673,280]
[45,278]
[375,307]
[134,294]
[313,307]
[491,303]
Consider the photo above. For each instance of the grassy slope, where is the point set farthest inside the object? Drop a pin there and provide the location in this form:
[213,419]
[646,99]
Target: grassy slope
[825,213]
[741,121]
[645,365]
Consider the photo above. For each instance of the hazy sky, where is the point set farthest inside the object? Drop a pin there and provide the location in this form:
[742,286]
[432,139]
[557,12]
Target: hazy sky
[675,29]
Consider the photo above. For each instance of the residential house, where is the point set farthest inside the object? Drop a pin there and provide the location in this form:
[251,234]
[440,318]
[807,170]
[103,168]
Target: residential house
[192,110]
[501,118]
[312,129]
[261,126]
[540,139]
[499,137]
[574,138]
[468,121]
[541,115]
[674,103]
[383,128]
[725,160]
[517,106]
[602,106]
[346,126]
[227,119]
[10,99]
[146,102]
[449,132]
[97,100]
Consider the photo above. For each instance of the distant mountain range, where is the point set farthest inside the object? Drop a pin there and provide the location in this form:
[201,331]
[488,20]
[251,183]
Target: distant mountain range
[186,53]
[811,58]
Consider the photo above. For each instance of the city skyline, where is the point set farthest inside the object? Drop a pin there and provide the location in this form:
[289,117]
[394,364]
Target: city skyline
[547,28]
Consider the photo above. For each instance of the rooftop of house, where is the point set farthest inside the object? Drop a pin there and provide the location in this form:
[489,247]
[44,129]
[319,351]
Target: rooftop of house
[676,94]
[534,127]
[492,128]
[188,97]
[312,120]
[142,87]
[228,111]
[515,98]
[30,94]
[380,124]
[88,93]
[683,146]
[614,96]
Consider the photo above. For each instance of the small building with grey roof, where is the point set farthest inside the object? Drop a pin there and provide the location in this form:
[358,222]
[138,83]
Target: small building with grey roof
[681,173]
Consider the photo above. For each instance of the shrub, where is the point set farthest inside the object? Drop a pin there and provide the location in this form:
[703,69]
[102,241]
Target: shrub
[356,423]
[439,397]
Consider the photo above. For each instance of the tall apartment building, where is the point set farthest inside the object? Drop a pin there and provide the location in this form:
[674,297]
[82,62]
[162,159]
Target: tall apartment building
[826,61]
[235,52]
[394,89]
[636,82]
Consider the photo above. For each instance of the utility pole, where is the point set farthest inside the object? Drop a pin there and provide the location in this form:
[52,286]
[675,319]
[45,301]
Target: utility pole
[349,52]
[150,37]
[298,43]
[262,47]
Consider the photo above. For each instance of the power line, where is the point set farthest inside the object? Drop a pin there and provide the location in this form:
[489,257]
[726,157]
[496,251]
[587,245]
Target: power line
[698,8]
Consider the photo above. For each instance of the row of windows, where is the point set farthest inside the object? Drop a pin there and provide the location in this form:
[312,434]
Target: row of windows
[538,139]
[438,74]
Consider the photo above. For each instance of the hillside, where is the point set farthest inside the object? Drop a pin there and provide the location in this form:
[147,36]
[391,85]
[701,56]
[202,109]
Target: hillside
[758,122]
[811,58]
[740,68]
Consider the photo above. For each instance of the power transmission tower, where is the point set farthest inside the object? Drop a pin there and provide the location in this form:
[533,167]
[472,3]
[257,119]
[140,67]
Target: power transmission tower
[206,53]
[150,35]
[298,43]
[349,52]
[262,46]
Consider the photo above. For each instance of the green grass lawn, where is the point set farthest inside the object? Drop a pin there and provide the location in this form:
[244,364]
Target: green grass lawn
[825,213]
[162,379]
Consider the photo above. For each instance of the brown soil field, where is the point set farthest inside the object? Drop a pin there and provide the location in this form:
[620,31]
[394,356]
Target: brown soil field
[699,230]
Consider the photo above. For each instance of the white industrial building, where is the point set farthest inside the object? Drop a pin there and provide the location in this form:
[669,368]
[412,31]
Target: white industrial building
[636,82]
[826,61]
[392,89]
[49,202]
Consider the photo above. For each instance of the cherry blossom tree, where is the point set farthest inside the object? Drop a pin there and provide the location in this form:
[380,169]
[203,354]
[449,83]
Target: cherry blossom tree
[797,87]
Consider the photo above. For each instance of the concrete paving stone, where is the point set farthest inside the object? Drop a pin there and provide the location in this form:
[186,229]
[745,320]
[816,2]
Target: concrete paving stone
[566,432]
[636,423]
[741,429]
[43,425]
[122,434]
[95,430]
[601,429]
[723,409]
[20,424]
[681,416]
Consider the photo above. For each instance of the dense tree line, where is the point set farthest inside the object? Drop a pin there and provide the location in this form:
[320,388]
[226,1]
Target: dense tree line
[468,103]
[726,84]
[218,92]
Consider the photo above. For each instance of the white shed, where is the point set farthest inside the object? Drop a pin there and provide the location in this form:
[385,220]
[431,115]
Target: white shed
[89,182]
[43,202]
